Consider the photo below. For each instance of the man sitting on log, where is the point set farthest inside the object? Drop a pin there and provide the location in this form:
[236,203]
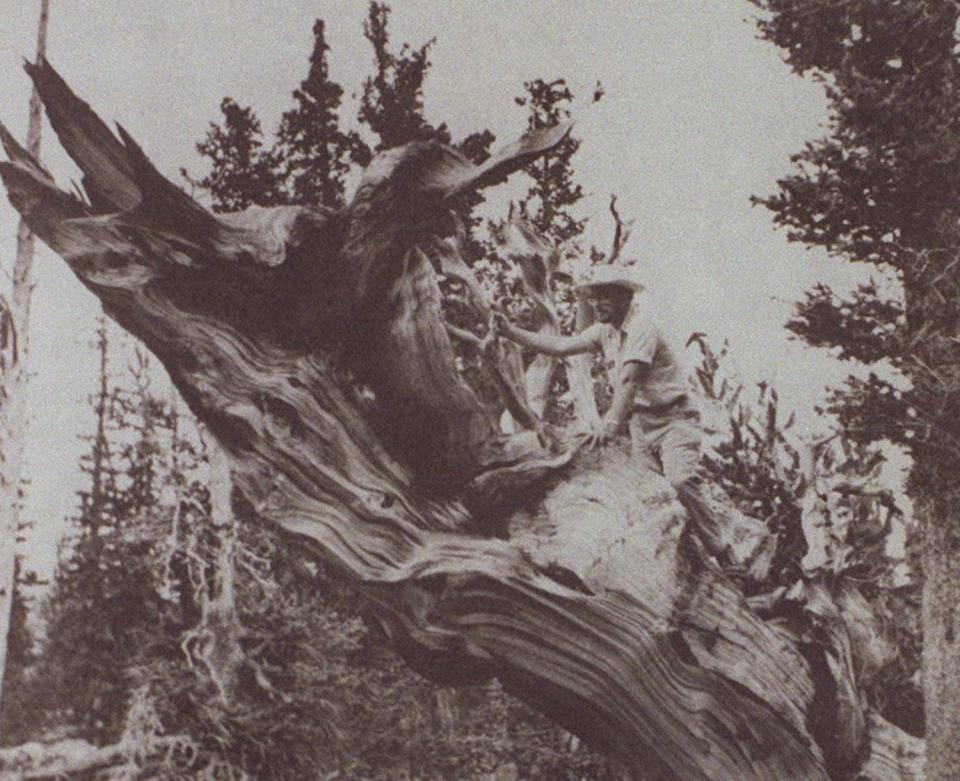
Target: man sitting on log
[650,390]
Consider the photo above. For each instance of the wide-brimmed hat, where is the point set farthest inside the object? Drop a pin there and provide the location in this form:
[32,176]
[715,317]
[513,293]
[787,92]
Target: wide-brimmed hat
[586,275]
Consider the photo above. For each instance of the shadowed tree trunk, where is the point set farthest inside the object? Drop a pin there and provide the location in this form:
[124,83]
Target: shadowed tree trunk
[311,345]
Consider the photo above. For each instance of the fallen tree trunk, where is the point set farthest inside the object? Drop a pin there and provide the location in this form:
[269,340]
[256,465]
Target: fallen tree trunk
[312,346]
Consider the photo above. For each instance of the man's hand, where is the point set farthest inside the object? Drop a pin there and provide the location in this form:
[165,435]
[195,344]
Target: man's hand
[500,325]
[601,435]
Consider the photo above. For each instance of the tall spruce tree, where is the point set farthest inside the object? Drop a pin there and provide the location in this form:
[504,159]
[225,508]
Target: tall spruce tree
[392,101]
[883,189]
[313,151]
[391,104]
[102,609]
[553,190]
[78,663]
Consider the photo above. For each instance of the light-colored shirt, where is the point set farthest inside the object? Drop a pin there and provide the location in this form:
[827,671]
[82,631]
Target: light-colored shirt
[642,338]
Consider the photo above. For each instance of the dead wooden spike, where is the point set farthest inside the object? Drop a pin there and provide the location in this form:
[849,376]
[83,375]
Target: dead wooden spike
[18,154]
[36,197]
[151,183]
[85,137]
[8,338]
[11,146]
[621,233]
[506,160]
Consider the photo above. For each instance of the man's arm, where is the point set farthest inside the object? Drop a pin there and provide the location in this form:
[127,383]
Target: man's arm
[632,374]
[551,344]
[629,379]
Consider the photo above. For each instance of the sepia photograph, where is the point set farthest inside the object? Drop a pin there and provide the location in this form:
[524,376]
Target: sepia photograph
[480,390]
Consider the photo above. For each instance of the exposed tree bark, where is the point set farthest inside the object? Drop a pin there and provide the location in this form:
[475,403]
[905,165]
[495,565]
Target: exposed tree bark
[312,346]
[538,261]
[505,366]
[893,755]
[215,641]
[68,758]
[9,477]
[941,625]
[13,380]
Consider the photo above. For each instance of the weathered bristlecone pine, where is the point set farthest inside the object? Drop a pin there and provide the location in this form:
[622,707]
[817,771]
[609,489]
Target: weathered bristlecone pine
[312,345]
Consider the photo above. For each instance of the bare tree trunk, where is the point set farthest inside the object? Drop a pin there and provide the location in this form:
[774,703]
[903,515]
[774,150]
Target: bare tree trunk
[538,262]
[941,624]
[215,640]
[13,382]
[312,346]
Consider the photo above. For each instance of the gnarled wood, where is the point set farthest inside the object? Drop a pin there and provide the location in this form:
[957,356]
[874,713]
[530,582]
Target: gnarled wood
[894,755]
[312,347]
[74,757]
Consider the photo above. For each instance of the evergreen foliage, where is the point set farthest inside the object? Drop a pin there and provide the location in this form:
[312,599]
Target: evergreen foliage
[312,153]
[19,710]
[102,604]
[553,191]
[242,173]
[881,190]
[392,101]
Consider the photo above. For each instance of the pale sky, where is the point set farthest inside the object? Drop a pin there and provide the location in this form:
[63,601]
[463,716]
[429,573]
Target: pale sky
[698,115]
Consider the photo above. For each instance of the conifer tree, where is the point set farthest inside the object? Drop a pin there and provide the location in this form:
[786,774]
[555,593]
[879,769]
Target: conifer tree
[102,606]
[553,191]
[243,173]
[21,706]
[883,190]
[391,104]
[313,152]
